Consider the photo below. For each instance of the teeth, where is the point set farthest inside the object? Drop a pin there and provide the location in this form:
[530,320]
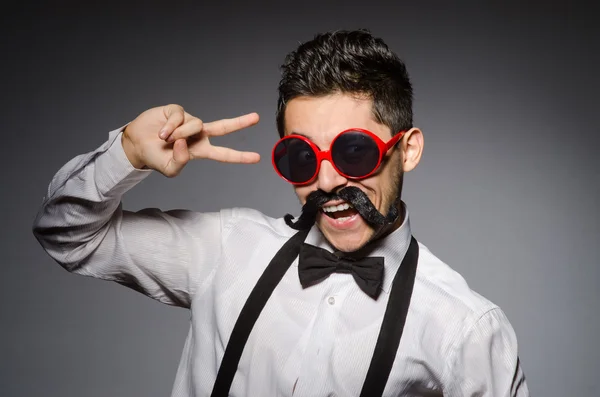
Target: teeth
[334,208]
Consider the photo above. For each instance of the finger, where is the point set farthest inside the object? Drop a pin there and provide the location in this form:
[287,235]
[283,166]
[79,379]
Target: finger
[227,155]
[181,156]
[189,128]
[225,126]
[175,117]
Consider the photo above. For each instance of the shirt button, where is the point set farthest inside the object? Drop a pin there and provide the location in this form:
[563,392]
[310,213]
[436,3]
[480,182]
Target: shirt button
[331,300]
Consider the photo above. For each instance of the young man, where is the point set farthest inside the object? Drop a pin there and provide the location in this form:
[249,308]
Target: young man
[341,301]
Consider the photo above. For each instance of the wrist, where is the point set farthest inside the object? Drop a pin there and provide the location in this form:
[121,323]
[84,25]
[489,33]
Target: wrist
[130,152]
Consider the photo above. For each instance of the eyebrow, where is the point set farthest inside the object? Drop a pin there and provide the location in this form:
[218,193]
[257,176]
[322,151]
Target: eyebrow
[299,133]
[305,136]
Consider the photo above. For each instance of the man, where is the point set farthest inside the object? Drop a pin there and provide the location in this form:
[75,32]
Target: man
[341,301]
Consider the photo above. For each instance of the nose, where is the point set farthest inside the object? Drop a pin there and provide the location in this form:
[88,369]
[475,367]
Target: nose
[328,179]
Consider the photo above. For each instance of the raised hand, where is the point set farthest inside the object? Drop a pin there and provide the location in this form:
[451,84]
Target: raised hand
[165,138]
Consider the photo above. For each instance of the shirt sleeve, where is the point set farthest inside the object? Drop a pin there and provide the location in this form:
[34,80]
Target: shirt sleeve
[486,361]
[81,224]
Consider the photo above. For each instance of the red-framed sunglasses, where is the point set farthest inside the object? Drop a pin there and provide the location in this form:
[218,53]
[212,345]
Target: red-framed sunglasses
[354,153]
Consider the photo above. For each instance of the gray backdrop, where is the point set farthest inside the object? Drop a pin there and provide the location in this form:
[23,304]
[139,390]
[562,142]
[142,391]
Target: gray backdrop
[506,193]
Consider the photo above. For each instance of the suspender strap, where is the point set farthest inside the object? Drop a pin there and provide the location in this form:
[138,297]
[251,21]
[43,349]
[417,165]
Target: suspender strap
[257,300]
[392,325]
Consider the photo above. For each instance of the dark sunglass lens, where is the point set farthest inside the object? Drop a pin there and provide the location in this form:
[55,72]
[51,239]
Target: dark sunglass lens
[295,160]
[355,154]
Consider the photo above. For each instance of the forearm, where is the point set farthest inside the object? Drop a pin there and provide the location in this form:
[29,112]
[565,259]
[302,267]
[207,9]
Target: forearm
[83,197]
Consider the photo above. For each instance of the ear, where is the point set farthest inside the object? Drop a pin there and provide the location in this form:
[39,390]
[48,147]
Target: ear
[412,149]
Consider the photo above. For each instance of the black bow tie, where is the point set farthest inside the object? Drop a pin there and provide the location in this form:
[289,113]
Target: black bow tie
[316,264]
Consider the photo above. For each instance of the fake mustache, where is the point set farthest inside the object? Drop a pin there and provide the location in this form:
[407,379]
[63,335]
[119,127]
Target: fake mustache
[352,195]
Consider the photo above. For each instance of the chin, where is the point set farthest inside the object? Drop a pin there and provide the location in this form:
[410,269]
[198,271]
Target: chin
[347,245]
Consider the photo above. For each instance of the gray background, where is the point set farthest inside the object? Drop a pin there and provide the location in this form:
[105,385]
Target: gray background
[506,193]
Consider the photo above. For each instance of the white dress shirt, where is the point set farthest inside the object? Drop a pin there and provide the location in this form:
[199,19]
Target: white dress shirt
[316,341]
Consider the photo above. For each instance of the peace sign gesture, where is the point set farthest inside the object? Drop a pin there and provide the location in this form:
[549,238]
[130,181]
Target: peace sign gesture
[165,138]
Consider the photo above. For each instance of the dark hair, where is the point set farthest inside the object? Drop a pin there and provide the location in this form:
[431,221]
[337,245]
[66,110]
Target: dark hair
[350,62]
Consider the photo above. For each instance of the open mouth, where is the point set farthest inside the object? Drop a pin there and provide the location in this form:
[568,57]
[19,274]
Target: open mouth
[339,212]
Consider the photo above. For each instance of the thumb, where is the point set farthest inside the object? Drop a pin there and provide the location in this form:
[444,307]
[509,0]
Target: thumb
[181,156]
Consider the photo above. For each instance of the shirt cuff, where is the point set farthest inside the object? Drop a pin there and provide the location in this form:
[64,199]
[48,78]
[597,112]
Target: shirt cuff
[115,174]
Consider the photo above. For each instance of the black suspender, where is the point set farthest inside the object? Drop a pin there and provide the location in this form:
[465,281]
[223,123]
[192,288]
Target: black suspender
[389,334]
[393,324]
[257,300]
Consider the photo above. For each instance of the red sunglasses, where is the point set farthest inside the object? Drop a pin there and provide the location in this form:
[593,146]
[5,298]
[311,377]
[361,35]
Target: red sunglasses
[354,153]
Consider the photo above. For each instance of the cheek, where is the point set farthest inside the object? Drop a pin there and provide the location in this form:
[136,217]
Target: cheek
[303,192]
[384,186]
[393,186]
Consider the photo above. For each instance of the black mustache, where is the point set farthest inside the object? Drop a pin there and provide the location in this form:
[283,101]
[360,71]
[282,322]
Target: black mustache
[352,195]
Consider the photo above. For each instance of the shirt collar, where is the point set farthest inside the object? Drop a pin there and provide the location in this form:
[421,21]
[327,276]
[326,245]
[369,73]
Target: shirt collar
[392,247]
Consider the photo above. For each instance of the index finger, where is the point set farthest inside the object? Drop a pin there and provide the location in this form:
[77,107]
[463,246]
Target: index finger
[175,116]
[225,126]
